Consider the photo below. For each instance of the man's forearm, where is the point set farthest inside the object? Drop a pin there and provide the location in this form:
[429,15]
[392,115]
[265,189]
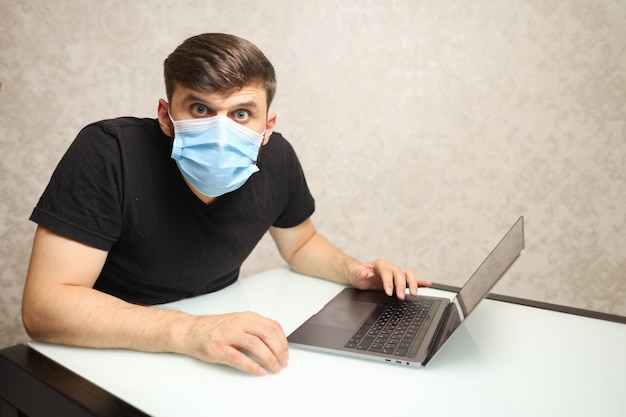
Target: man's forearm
[81,316]
[90,318]
[320,258]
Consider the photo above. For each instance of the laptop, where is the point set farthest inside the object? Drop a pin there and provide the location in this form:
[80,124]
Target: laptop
[370,324]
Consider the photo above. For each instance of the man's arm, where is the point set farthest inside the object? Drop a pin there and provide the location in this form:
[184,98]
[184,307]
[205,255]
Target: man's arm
[61,306]
[308,252]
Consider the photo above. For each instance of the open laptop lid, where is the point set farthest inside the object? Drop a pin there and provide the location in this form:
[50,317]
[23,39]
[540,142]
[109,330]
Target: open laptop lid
[479,284]
[492,268]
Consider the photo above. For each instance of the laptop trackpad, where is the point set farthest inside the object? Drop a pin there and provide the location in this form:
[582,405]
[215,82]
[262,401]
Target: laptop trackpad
[344,314]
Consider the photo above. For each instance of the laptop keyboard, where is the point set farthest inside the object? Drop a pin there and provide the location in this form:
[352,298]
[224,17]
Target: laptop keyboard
[394,327]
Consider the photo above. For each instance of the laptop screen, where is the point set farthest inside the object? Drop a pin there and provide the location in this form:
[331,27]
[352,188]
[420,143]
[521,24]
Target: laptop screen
[492,268]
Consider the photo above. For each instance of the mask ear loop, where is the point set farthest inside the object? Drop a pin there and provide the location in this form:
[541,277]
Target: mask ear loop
[169,115]
[258,155]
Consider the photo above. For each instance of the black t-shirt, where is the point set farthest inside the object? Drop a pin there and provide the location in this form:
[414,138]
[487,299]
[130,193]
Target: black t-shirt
[117,189]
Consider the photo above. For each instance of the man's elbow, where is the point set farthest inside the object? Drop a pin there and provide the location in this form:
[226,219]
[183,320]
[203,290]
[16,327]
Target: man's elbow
[30,322]
[33,320]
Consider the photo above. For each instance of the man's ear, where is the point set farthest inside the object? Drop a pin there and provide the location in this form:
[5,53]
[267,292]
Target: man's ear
[269,127]
[164,117]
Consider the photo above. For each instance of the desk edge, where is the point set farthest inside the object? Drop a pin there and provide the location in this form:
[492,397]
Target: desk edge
[542,305]
[30,374]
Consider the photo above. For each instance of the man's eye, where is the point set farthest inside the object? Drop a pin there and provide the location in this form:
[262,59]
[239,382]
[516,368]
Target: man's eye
[199,109]
[241,115]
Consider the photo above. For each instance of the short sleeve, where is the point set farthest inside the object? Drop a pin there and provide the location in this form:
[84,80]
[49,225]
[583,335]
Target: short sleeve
[84,196]
[300,203]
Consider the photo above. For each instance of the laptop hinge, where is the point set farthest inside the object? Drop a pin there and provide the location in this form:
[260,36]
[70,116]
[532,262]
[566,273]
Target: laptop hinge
[456,302]
[449,322]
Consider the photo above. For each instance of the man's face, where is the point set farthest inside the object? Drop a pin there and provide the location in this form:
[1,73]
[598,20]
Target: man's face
[246,106]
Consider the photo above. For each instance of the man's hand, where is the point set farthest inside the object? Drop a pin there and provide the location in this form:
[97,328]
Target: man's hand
[236,339]
[382,274]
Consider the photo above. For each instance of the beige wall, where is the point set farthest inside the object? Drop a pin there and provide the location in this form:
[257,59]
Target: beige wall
[425,127]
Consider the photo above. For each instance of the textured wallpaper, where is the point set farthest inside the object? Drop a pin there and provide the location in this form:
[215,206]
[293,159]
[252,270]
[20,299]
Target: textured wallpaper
[425,127]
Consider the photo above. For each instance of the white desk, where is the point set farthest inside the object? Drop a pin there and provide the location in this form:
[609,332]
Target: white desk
[504,360]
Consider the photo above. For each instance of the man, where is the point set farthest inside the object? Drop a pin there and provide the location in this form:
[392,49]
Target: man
[143,211]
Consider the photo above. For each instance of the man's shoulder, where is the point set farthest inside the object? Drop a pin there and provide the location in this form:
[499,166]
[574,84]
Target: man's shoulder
[278,143]
[128,135]
[125,123]
[118,131]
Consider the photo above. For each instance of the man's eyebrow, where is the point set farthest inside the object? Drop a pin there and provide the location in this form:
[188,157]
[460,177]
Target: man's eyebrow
[249,104]
[192,97]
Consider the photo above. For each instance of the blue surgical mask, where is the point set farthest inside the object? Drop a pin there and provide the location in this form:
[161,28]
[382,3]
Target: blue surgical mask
[215,154]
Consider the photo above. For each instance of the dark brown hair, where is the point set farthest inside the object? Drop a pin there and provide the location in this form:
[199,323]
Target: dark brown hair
[218,62]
